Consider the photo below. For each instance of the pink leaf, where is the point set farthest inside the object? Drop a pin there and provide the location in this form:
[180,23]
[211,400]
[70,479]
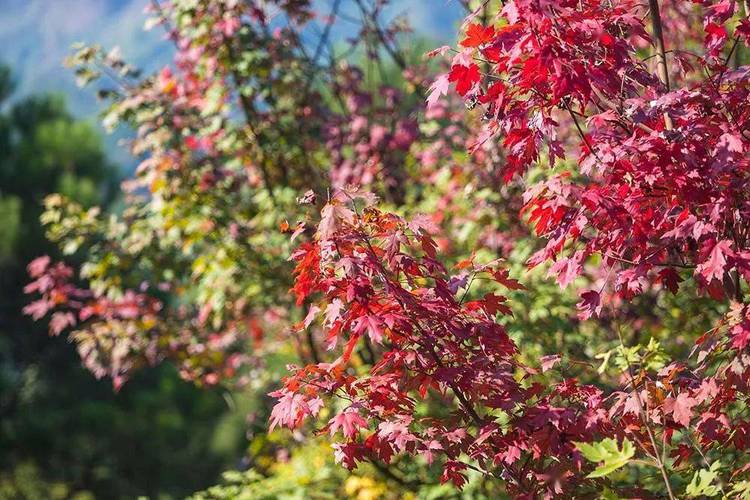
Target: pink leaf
[440,51]
[37,266]
[682,409]
[348,422]
[714,267]
[60,321]
[567,269]
[37,309]
[438,88]
[288,412]
[314,310]
[548,362]
[332,216]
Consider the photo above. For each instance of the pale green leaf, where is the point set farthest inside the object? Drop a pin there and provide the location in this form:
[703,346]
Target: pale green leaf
[702,483]
[608,453]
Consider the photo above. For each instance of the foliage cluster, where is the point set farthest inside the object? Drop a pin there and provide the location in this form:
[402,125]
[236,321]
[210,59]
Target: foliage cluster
[598,143]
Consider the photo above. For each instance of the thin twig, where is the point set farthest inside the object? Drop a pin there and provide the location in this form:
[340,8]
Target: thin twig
[581,132]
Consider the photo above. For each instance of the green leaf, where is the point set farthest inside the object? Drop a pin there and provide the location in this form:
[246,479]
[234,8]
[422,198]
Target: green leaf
[608,494]
[608,452]
[742,489]
[702,483]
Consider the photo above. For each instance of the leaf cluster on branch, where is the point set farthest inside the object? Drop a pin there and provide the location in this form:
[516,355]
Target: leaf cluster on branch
[603,142]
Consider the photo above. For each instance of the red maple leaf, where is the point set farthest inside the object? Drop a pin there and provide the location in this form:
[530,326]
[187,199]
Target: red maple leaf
[590,305]
[741,336]
[370,324]
[495,303]
[716,37]
[670,279]
[502,277]
[465,77]
[453,472]
[478,35]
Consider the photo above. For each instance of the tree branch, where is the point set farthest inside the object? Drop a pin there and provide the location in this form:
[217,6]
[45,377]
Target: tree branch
[661,63]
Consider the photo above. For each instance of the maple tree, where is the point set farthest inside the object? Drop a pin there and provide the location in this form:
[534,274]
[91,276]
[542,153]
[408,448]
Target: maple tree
[604,143]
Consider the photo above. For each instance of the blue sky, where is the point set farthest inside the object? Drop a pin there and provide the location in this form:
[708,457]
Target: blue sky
[36,35]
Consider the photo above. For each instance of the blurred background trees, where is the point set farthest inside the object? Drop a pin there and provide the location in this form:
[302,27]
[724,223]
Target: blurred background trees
[62,432]
[181,298]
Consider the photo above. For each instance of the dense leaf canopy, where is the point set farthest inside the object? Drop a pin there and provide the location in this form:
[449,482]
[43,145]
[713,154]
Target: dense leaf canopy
[516,267]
